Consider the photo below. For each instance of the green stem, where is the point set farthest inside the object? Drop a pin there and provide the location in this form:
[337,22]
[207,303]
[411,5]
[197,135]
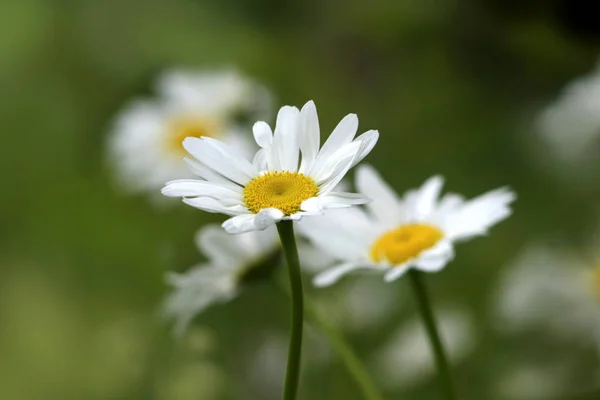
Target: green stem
[347,354]
[434,337]
[355,367]
[292,375]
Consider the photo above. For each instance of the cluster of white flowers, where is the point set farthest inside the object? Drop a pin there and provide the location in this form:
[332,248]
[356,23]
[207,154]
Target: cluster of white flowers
[288,175]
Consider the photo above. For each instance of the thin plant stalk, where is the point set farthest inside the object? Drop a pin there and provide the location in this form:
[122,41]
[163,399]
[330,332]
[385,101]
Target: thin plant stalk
[345,352]
[290,250]
[437,347]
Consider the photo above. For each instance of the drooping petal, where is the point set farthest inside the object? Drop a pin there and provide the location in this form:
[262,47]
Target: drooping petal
[267,217]
[240,224]
[436,258]
[396,272]
[332,275]
[211,205]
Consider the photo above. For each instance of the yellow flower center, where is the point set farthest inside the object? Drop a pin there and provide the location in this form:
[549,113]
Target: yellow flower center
[181,128]
[282,190]
[404,243]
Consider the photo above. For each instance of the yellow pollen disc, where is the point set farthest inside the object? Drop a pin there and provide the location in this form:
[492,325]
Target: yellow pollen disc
[282,190]
[404,243]
[181,128]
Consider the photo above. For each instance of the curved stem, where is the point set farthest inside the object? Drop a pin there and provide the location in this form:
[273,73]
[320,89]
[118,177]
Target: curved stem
[288,242]
[354,365]
[432,331]
[347,354]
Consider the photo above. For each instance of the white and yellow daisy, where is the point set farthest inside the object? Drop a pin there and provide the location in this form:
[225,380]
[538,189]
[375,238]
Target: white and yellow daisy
[145,144]
[394,234]
[232,262]
[276,185]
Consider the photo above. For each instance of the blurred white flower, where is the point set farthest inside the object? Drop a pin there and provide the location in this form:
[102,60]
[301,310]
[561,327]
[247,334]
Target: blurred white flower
[407,360]
[551,289]
[349,311]
[276,185]
[145,145]
[571,124]
[417,231]
[532,382]
[232,261]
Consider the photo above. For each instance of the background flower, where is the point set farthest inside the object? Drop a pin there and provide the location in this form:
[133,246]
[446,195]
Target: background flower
[395,234]
[146,143]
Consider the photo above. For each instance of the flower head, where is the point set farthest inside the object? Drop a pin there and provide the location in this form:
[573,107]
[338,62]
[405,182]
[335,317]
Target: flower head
[571,124]
[395,234]
[553,290]
[145,145]
[233,261]
[278,184]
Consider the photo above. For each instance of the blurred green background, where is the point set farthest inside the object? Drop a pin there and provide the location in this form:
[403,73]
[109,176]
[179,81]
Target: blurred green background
[452,86]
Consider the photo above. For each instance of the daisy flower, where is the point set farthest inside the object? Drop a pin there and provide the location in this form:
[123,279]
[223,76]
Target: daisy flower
[571,124]
[145,143]
[553,290]
[276,185]
[233,261]
[395,234]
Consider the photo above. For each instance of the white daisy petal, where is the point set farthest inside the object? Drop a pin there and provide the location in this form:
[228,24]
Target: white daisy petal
[367,141]
[261,160]
[269,189]
[267,217]
[194,188]
[285,140]
[332,275]
[310,137]
[415,231]
[435,259]
[208,174]
[262,134]
[220,162]
[386,203]
[240,224]
[427,196]
[343,134]
[396,272]
[211,205]
[476,216]
[333,200]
